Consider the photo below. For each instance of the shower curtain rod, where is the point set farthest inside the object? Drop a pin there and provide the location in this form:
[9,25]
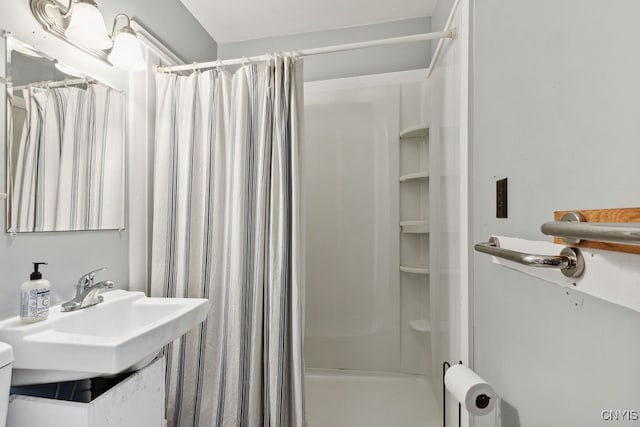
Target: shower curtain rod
[64,83]
[50,83]
[448,33]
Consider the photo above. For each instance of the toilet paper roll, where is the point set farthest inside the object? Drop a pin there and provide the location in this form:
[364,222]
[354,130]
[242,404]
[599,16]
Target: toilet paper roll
[475,394]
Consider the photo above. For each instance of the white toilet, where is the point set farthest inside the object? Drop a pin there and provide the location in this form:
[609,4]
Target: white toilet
[6,358]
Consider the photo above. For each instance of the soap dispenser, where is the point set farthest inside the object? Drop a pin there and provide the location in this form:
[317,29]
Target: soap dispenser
[35,297]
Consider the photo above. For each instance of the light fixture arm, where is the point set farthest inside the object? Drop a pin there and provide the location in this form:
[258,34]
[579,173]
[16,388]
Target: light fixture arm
[115,23]
[67,13]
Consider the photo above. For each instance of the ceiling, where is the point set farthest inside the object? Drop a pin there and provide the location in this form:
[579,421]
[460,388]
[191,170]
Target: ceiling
[237,20]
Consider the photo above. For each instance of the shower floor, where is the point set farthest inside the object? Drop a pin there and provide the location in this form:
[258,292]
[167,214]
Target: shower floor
[353,399]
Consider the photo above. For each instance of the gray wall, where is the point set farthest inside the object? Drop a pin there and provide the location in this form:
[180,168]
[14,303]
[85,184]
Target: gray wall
[72,253]
[440,15]
[556,111]
[346,64]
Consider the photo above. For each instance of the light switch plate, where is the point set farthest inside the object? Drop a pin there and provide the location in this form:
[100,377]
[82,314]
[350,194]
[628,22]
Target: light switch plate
[501,198]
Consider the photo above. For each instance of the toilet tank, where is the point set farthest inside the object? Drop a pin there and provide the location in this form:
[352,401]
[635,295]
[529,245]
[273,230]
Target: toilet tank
[6,358]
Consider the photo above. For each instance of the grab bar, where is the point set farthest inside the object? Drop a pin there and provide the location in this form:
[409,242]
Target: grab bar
[569,262]
[572,229]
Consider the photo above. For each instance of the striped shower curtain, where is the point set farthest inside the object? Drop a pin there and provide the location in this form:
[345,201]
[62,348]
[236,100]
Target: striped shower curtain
[226,226]
[68,170]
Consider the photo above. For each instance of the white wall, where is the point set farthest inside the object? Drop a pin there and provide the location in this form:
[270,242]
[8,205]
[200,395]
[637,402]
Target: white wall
[556,111]
[358,311]
[350,173]
[450,208]
[346,64]
[69,254]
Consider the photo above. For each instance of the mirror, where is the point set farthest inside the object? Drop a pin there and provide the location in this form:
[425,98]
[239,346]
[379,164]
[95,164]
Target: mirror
[65,146]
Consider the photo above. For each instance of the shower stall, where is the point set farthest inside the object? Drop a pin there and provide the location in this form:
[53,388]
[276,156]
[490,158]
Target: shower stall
[370,178]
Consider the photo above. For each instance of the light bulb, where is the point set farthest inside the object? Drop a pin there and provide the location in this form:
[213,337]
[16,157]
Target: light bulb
[126,52]
[86,27]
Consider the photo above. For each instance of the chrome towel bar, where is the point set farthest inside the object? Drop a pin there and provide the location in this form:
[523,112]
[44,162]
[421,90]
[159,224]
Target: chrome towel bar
[570,260]
[572,229]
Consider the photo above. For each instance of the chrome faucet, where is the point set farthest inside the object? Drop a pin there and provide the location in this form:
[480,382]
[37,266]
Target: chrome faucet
[87,291]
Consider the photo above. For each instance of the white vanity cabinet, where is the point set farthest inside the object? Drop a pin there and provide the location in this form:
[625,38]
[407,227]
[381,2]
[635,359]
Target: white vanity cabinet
[137,401]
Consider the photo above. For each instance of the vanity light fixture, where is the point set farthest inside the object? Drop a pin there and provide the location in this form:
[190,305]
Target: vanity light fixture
[126,52]
[86,25]
[82,25]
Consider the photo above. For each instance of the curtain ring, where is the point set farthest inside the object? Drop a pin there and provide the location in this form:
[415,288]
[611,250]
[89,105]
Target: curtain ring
[195,67]
[219,64]
[244,61]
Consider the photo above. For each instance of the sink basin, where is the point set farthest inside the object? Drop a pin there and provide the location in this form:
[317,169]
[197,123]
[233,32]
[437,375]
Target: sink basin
[125,331]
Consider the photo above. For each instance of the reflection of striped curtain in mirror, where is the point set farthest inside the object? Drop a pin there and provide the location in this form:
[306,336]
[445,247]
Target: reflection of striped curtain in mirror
[68,170]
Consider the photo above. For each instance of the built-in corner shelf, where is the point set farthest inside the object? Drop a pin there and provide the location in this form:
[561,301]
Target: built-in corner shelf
[420,325]
[414,176]
[417,269]
[418,131]
[414,227]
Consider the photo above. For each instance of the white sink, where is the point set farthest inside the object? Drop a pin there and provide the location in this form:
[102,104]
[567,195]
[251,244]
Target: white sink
[125,331]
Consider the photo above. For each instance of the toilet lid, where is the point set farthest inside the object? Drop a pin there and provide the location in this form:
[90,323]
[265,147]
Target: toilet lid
[6,354]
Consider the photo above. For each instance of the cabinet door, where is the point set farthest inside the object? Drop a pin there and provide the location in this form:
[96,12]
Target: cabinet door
[137,401]
[28,411]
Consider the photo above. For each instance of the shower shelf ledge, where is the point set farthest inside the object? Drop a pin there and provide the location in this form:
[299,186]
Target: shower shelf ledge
[414,227]
[418,269]
[420,325]
[417,131]
[414,176]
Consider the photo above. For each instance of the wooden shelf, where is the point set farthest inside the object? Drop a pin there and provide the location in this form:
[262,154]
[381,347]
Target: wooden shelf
[616,215]
[417,131]
[414,227]
[414,176]
[417,269]
[420,325]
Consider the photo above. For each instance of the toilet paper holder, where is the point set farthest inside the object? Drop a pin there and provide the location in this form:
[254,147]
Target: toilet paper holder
[446,365]
[481,401]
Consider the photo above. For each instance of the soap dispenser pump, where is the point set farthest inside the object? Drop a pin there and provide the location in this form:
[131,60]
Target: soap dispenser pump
[35,296]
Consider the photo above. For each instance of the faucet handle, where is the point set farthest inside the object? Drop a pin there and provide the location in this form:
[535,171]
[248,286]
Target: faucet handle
[87,279]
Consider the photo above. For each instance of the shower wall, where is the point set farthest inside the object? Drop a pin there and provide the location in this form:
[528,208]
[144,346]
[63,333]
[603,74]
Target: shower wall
[351,213]
[449,152]
[357,308]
